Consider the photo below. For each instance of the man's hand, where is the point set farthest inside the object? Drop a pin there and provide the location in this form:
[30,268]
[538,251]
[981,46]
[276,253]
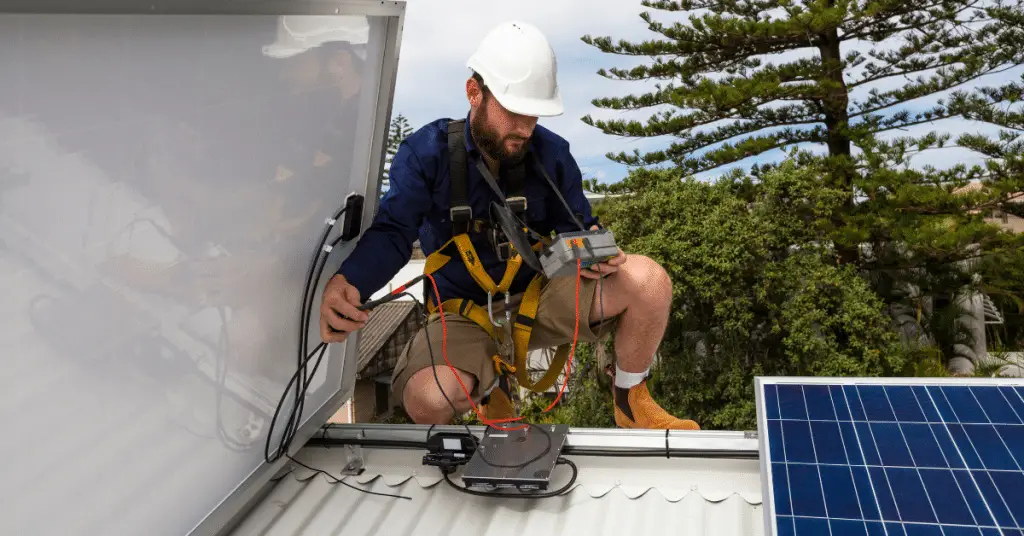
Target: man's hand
[339,310]
[605,268]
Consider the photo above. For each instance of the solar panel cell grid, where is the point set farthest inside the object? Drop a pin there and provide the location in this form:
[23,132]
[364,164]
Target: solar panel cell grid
[895,460]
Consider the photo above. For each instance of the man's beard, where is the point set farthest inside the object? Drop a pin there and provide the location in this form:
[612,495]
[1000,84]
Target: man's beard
[488,142]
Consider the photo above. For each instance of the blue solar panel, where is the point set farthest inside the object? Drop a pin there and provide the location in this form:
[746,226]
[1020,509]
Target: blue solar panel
[881,458]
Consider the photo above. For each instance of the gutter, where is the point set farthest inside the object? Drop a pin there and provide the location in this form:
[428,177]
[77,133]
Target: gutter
[610,442]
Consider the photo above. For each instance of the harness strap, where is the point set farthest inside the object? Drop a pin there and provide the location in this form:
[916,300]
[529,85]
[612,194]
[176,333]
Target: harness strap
[461,213]
[461,246]
[522,328]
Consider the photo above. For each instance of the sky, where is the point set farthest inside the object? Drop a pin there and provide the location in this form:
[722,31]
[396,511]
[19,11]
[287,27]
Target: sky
[440,35]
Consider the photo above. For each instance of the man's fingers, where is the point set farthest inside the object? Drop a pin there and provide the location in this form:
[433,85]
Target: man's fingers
[341,302]
[618,259]
[352,298]
[329,336]
[340,323]
[348,310]
[599,270]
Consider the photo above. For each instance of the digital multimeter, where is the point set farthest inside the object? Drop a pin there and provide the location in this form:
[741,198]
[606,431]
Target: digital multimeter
[589,247]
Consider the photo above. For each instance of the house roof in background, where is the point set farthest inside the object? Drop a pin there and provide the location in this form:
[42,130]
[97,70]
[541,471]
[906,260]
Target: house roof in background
[978,186]
[383,322]
[612,495]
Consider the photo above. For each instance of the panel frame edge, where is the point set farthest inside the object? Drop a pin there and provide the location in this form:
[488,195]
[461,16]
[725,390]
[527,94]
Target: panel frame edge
[862,380]
[767,493]
[233,508]
[371,8]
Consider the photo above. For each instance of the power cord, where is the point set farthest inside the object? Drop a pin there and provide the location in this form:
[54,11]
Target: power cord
[496,423]
[303,376]
[302,379]
[493,422]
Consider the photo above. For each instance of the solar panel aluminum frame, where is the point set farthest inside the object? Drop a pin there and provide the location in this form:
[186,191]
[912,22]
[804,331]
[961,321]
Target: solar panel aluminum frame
[220,519]
[760,382]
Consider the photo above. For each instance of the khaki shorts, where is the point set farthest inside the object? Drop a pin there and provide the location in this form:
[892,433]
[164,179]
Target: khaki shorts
[470,348]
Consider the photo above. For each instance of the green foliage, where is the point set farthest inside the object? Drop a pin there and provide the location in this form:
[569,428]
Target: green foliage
[754,293]
[397,132]
[771,79]
[853,70]
[1003,280]
[587,402]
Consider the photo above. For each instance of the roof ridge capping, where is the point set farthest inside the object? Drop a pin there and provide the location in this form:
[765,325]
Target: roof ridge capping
[594,490]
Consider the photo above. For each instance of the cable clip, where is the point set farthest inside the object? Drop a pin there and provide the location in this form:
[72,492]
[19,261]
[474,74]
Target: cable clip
[330,222]
[328,248]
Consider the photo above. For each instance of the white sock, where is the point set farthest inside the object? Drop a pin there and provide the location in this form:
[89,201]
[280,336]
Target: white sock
[627,380]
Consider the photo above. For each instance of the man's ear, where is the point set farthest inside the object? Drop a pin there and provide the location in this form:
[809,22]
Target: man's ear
[474,94]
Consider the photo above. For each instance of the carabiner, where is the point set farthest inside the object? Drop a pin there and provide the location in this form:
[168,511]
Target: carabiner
[490,310]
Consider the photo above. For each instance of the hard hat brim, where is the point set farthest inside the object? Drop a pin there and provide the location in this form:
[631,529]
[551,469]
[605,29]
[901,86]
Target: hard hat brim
[532,107]
[281,52]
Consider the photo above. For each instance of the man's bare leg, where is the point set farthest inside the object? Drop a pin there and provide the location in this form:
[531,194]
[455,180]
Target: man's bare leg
[426,404]
[641,292]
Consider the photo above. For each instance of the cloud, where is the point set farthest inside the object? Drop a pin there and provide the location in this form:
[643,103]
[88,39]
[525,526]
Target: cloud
[440,35]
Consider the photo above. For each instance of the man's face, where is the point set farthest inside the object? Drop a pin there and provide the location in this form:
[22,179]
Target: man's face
[499,133]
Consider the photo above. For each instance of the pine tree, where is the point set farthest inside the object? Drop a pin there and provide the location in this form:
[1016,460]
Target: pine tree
[835,85]
[398,131]
[745,78]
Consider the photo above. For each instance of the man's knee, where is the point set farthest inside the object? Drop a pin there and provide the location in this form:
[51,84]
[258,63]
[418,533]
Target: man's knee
[651,279]
[426,404]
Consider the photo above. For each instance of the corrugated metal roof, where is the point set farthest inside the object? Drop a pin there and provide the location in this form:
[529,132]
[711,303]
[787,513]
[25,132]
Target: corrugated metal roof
[692,496]
[383,322]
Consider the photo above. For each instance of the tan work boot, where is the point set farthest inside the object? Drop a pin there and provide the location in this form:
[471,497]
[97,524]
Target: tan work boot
[635,408]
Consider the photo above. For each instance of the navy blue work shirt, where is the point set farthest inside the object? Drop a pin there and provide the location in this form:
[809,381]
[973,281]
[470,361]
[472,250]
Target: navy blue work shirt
[418,201]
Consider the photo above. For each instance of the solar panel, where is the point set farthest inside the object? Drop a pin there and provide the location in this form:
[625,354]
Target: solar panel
[892,456]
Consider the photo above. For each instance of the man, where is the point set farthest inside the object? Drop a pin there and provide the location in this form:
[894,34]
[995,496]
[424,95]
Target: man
[507,92]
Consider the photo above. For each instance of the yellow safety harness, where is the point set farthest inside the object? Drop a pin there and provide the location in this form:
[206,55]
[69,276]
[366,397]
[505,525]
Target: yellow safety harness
[522,327]
[461,246]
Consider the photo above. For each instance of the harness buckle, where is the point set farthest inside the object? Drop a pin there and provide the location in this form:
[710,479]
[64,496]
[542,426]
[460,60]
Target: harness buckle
[502,247]
[516,204]
[504,251]
[461,218]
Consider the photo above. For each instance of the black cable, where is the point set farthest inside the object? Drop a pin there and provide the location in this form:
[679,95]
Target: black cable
[521,494]
[312,281]
[567,450]
[294,415]
[342,482]
[301,378]
[558,192]
[433,368]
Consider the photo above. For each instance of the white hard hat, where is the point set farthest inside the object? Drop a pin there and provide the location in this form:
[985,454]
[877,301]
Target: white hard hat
[519,67]
[298,33]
